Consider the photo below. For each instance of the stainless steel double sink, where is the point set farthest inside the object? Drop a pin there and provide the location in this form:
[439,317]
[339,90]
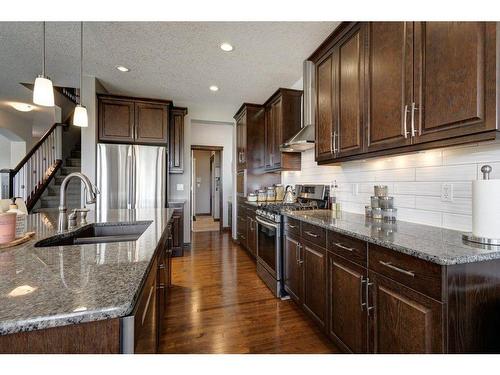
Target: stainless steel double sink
[98,233]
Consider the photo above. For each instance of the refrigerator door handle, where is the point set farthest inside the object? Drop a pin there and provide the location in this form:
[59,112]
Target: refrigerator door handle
[130,160]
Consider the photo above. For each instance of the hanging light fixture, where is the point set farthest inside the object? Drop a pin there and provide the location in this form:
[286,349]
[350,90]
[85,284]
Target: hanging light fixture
[43,93]
[80,117]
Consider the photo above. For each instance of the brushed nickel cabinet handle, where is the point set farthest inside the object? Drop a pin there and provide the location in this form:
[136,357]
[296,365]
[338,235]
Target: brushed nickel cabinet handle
[405,111]
[292,226]
[367,294]
[413,109]
[393,267]
[344,247]
[361,282]
[311,234]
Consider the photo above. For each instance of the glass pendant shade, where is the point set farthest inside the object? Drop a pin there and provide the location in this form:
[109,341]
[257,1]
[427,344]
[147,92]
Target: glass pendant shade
[80,117]
[43,93]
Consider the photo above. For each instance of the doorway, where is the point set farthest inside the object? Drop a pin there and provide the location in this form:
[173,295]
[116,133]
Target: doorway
[206,188]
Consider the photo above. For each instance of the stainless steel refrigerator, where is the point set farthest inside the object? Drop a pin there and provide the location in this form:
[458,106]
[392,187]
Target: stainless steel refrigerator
[131,176]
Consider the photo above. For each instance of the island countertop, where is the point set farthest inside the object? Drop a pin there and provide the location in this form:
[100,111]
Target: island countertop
[434,244]
[43,287]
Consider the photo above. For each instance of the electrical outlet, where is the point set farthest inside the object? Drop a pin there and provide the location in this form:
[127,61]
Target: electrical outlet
[447,192]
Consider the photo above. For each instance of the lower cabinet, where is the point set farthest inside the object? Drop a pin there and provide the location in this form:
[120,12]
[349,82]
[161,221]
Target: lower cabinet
[252,235]
[403,320]
[177,229]
[347,321]
[313,263]
[292,266]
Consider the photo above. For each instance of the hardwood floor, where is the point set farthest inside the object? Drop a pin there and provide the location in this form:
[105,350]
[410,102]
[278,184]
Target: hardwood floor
[205,224]
[218,304]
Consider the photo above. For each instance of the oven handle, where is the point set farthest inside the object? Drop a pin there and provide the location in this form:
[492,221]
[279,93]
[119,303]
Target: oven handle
[266,223]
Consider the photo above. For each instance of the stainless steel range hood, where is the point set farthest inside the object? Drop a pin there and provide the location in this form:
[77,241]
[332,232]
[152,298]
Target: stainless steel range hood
[304,139]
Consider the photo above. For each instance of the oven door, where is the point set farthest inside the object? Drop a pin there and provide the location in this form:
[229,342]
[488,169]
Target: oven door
[269,246]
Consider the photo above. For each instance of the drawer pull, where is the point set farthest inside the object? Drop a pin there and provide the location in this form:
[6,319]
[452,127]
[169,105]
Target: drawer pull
[313,235]
[361,282]
[393,267]
[368,307]
[344,247]
[292,226]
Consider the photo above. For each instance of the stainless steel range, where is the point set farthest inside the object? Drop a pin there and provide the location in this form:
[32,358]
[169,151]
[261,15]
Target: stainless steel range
[270,233]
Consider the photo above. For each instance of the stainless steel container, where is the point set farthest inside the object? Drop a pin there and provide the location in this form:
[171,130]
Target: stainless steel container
[368,211]
[386,203]
[381,190]
[280,192]
[377,213]
[390,214]
[374,202]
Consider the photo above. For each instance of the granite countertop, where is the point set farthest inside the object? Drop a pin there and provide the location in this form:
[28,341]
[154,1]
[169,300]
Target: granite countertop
[437,245]
[42,287]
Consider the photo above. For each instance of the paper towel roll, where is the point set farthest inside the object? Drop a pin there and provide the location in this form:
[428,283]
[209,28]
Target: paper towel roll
[486,208]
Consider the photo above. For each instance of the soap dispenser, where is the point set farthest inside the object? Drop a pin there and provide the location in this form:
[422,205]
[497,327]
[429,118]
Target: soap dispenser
[20,218]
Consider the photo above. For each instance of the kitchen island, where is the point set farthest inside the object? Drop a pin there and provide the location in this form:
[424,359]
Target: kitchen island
[83,298]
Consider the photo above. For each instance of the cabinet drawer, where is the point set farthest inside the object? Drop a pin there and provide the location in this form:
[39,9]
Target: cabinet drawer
[350,248]
[292,225]
[418,274]
[314,234]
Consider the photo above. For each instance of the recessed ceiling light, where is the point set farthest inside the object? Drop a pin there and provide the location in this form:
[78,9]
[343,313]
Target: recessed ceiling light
[226,47]
[213,88]
[22,107]
[122,68]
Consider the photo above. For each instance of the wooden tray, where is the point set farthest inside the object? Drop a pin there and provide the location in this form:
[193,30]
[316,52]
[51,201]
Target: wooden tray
[27,236]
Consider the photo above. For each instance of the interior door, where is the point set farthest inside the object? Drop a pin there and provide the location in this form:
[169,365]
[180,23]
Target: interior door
[324,108]
[390,84]
[403,321]
[349,96]
[347,305]
[150,179]
[454,68]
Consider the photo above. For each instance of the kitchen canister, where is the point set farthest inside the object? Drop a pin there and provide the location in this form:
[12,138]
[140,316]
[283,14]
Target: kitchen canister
[368,211]
[280,192]
[7,227]
[486,209]
[261,195]
[374,201]
[390,214]
[377,213]
[386,202]
[381,190]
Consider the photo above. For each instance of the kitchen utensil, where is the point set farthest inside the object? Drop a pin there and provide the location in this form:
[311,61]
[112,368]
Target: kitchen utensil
[289,195]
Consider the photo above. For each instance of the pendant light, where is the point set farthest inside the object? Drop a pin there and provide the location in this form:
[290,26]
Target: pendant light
[43,93]
[80,117]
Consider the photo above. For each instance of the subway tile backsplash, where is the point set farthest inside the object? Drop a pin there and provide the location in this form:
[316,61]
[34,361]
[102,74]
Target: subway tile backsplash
[415,180]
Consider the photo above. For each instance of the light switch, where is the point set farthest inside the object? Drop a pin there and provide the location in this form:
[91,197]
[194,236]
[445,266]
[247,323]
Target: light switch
[180,187]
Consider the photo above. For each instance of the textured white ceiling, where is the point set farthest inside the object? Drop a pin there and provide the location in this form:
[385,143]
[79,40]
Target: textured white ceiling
[172,60]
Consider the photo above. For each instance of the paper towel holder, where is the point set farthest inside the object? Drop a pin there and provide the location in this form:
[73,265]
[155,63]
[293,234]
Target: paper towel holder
[469,237]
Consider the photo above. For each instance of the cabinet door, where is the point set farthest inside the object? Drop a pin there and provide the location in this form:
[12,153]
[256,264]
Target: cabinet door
[347,305]
[116,120]
[324,108]
[349,94]
[277,120]
[403,320]
[454,69]
[146,316]
[252,236]
[314,292]
[176,141]
[241,141]
[178,232]
[292,267]
[151,123]
[269,125]
[390,83]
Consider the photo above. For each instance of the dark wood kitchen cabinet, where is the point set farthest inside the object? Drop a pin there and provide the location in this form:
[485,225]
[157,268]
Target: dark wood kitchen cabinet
[313,262]
[250,136]
[133,120]
[347,321]
[292,266]
[251,233]
[399,87]
[176,140]
[403,320]
[177,228]
[282,122]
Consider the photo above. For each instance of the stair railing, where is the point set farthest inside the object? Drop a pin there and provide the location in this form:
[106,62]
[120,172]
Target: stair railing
[31,176]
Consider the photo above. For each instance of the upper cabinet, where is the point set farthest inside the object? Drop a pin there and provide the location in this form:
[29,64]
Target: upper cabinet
[282,122]
[249,136]
[133,120]
[391,87]
[176,140]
